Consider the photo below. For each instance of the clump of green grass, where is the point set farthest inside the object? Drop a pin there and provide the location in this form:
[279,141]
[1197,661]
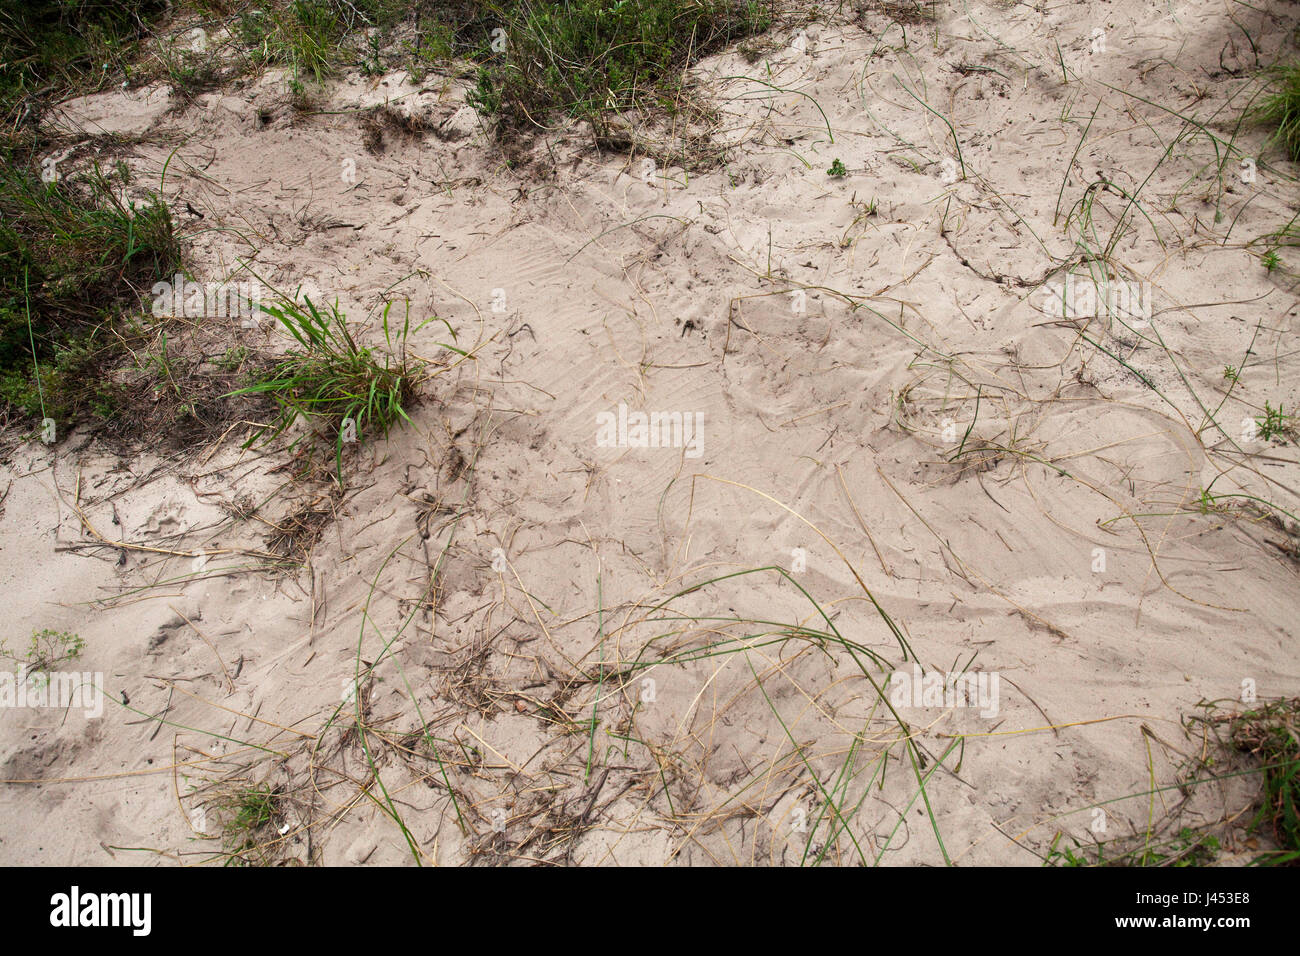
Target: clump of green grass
[72,254]
[49,47]
[188,72]
[308,31]
[255,807]
[249,810]
[585,57]
[316,37]
[589,57]
[1281,108]
[330,378]
[305,35]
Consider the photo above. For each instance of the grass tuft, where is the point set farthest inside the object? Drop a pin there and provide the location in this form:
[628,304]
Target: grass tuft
[591,57]
[1281,108]
[249,811]
[332,379]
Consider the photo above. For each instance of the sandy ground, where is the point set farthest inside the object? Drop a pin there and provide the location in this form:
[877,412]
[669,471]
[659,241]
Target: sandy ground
[891,411]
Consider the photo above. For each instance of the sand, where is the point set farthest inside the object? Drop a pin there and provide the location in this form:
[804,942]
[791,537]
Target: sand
[877,396]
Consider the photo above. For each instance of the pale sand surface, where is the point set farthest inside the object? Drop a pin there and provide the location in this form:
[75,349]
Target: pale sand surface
[835,429]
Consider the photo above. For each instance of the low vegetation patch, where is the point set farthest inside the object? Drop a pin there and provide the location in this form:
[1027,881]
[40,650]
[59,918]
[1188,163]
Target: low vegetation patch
[48,47]
[73,254]
[588,57]
[582,57]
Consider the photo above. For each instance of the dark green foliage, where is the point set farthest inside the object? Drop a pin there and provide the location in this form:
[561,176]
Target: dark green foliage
[72,257]
[590,56]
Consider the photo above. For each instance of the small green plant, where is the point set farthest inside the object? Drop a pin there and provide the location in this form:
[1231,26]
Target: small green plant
[160,365]
[1270,260]
[188,72]
[433,44]
[373,64]
[485,97]
[837,170]
[233,359]
[1066,856]
[332,378]
[248,811]
[1274,423]
[254,808]
[47,649]
[1190,847]
[1231,374]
